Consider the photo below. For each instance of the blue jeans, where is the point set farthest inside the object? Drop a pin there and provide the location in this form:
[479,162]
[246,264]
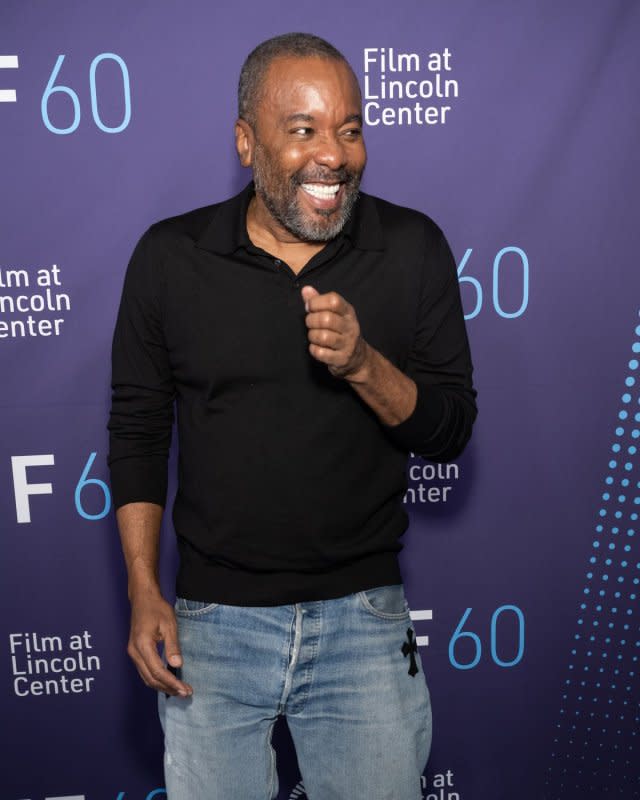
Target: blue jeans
[339,670]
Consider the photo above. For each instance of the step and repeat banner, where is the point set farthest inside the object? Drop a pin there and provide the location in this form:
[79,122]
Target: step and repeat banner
[516,127]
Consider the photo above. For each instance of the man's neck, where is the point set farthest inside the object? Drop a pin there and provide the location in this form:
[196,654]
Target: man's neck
[267,234]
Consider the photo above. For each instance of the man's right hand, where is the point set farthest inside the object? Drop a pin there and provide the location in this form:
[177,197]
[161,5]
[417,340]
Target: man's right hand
[153,621]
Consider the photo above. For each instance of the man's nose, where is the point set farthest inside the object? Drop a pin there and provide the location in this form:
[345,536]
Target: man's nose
[330,152]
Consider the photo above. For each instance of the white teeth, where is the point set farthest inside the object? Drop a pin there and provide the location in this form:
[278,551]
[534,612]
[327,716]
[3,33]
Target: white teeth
[321,190]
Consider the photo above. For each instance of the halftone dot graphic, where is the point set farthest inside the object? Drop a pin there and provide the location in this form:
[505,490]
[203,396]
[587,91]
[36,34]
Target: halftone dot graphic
[605,652]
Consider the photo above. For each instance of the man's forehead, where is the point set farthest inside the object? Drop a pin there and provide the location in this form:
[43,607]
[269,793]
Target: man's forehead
[288,75]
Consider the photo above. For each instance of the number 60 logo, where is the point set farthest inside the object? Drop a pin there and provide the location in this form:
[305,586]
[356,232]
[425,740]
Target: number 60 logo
[477,286]
[52,89]
[460,634]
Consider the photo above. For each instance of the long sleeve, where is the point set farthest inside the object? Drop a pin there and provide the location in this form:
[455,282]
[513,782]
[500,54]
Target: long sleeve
[143,392]
[440,362]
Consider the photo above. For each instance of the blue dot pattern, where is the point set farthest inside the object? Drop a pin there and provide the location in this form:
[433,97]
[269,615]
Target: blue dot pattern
[596,735]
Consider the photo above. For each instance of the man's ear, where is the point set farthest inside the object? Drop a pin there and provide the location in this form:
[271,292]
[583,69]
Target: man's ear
[245,142]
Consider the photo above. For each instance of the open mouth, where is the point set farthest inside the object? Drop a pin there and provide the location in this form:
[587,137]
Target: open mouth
[323,198]
[321,191]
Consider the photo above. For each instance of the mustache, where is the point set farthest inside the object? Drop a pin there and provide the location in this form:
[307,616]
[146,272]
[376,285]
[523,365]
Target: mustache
[342,175]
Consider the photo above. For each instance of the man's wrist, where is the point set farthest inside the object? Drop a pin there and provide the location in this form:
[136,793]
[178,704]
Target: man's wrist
[361,372]
[143,586]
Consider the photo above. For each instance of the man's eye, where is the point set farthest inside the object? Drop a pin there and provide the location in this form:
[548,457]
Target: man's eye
[302,131]
[352,133]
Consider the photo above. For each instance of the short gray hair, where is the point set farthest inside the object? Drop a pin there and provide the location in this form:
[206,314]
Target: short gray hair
[299,45]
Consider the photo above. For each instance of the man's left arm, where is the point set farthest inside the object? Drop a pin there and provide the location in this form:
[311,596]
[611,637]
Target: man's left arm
[335,340]
[431,408]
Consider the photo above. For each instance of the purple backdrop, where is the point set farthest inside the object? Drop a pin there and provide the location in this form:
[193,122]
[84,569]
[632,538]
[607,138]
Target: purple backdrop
[522,561]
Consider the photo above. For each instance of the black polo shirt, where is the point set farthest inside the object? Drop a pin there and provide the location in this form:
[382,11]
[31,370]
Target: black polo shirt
[289,487]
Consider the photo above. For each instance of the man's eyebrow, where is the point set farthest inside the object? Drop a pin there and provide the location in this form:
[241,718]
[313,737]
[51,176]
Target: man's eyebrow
[300,117]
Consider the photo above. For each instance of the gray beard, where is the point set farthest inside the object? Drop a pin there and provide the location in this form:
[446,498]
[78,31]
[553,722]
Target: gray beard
[309,229]
[289,215]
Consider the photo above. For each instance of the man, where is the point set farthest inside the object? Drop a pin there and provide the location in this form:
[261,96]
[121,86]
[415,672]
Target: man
[310,337]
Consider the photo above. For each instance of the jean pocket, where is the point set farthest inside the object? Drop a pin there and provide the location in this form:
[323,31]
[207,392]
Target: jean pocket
[192,608]
[387,602]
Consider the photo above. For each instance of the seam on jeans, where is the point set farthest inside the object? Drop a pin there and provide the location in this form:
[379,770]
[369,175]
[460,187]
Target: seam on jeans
[310,670]
[195,612]
[309,677]
[391,616]
[284,663]
[295,654]
[272,754]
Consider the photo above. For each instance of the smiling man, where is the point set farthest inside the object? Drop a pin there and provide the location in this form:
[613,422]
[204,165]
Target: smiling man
[310,336]
[300,198]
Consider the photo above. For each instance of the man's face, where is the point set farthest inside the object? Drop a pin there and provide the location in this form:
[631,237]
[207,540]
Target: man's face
[308,153]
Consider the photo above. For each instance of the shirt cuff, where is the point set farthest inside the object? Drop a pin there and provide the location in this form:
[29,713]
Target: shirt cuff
[424,422]
[139,479]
